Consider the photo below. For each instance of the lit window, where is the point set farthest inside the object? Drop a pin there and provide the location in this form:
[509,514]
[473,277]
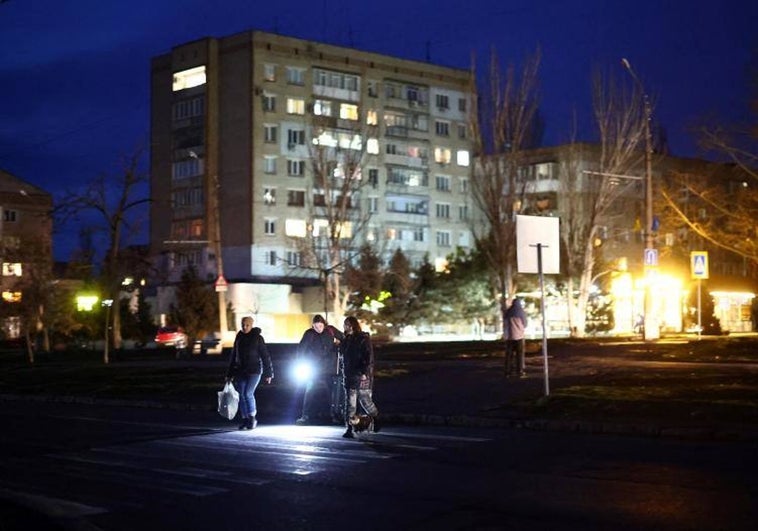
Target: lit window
[442,155]
[322,108]
[12,296]
[196,228]
[372,118]
[348,111]
[269,196]
[372,146]
[11,269]
[462,157]
[295,228]
[189,78]
[295,106]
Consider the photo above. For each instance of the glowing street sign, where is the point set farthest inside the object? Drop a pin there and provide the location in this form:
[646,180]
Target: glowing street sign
[699,264]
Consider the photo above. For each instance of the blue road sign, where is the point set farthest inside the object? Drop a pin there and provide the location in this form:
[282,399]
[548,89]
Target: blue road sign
[699,264]
[651,257]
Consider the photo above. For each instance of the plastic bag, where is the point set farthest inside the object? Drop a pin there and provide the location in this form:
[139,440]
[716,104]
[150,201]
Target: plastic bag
[228,401]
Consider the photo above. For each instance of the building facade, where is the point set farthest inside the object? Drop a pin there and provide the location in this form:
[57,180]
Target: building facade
[25,250]
[235,188]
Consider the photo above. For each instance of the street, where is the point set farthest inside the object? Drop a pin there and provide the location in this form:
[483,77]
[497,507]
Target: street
[119,468]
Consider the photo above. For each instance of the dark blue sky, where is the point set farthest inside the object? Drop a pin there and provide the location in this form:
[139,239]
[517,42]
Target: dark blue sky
[74,92]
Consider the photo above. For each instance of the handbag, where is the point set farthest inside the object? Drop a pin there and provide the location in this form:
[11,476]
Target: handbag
[228,401]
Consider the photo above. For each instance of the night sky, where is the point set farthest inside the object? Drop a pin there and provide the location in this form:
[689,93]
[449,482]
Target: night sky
[74,74]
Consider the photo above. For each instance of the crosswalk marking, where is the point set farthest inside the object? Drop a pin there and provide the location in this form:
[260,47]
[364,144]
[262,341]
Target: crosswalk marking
[79,483]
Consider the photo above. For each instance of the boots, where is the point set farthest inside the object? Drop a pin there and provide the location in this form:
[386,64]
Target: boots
[349,432]
[375,424]
[251,423]
[243,424]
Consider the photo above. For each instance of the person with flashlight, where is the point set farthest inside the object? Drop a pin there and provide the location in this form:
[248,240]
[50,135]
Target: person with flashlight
[319,364]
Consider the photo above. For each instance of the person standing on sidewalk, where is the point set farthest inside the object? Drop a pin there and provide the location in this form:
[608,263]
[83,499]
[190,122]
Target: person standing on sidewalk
[514,326]
[250,361]
[319,347]
[358,356]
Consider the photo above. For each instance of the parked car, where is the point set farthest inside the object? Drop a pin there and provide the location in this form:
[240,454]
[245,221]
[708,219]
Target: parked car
[171,336]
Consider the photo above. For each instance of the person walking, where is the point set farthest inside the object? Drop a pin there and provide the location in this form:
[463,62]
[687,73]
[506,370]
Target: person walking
[358,357]
[318,346]
[515,324]
[249,363]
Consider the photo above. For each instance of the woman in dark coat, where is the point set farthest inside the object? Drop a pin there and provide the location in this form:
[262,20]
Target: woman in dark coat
[249,362]
[358,355]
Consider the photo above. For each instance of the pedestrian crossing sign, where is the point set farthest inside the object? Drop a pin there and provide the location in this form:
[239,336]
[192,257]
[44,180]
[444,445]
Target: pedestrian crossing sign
[699,264]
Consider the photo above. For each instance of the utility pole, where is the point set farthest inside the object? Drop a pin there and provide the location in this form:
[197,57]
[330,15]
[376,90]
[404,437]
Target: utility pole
[220,289]
[651,322]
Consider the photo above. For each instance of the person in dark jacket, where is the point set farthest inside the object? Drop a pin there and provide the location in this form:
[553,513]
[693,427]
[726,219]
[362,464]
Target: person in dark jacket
[515,325]
[319,347]
[250,361]
[358,356]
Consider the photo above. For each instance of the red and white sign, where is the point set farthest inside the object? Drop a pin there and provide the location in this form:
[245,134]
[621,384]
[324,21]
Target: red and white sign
[221,284]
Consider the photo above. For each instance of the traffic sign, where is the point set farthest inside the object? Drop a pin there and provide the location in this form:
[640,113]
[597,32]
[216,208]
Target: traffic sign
[699,264]
[651,257]
[221,283]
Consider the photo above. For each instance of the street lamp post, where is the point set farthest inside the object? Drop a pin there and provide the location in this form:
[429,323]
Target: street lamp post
[107,303]
[650,321]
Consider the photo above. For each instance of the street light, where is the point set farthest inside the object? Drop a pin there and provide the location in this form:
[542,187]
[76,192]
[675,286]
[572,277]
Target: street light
[651,323]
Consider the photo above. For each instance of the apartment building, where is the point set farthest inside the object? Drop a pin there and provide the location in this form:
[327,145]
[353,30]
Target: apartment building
[620,241]
[234,122]
[25,247]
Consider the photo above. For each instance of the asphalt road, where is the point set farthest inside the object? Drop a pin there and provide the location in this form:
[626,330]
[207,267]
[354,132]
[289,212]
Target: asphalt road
[88,467]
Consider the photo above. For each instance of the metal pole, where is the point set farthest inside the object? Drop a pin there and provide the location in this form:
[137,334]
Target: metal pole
[544,327]
[699,310]
[650,322]
[222,322]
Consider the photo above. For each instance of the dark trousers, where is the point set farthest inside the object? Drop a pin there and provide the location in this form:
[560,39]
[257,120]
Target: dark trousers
[514,357]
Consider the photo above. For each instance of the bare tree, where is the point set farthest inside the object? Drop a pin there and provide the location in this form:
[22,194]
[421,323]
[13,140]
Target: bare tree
[502,126]
[593,179]
[722,200]
[335,228]
[113,200]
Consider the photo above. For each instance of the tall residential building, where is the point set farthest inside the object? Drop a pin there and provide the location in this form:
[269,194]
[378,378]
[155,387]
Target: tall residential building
[234,122]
